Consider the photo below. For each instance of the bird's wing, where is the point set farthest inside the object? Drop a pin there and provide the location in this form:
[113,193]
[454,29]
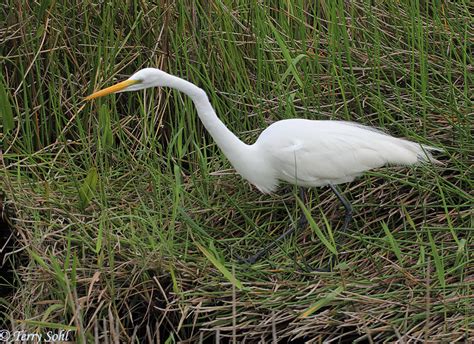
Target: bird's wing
[322,152]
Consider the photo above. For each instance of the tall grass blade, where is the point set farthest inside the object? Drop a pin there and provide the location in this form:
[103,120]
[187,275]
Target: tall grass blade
[323,302]
[225,272]
[88,188]
[440,271]
[315,227]
[8,122]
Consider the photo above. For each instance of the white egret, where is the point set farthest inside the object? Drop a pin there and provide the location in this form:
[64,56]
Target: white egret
[308,153]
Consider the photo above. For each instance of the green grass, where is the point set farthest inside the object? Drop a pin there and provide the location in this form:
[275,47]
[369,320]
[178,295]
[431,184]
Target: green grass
[127,218]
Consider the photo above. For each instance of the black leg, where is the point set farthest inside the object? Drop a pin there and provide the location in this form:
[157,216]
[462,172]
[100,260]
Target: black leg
[347,206]
[300,224]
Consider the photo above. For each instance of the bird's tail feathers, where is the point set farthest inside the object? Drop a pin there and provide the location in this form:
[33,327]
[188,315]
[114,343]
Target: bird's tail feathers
[425,155]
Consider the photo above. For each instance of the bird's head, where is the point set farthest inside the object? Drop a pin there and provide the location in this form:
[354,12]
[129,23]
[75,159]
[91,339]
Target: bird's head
[144,78]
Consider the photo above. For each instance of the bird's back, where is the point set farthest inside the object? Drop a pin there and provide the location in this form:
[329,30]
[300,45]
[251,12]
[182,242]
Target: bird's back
[316,153]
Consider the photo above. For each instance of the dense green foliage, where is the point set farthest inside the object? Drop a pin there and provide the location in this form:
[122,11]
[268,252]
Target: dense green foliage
[127,218]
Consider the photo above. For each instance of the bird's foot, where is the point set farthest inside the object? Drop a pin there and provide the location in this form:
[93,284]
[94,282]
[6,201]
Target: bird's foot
[250,260]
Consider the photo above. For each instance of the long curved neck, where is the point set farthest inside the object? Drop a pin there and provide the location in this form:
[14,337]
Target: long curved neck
[230,144]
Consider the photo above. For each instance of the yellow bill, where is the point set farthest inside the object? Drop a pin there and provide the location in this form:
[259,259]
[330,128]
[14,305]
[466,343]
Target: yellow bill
[112,89]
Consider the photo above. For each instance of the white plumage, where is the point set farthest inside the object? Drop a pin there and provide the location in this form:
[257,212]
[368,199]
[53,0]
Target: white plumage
[298,151]
[317,153]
